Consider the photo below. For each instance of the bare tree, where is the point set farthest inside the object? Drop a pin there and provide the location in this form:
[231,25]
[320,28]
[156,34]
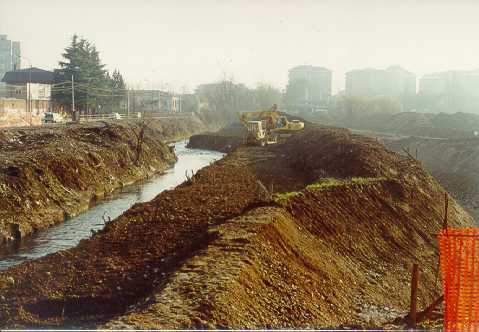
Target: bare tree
[139,133]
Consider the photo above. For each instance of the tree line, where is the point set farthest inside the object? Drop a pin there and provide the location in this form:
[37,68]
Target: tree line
[225,99]
[97,91]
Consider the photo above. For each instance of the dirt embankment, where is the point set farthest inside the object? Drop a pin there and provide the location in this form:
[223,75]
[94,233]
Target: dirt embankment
[455,163]
[439,125]
[214,142]
[175,129]
[332,247]
[48,174]
[225,140]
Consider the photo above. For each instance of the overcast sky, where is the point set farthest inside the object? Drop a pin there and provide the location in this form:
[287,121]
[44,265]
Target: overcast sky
[188,42]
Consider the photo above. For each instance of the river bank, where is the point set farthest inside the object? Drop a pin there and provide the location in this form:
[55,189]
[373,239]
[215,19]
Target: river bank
[50,174]
[318,231]
[67,234]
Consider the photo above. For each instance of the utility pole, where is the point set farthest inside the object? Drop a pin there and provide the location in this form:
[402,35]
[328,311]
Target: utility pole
[112,101]
[87,97]
[27,91]
[30,93]
[128,103]
[73,98]
[27,98]
[87,108]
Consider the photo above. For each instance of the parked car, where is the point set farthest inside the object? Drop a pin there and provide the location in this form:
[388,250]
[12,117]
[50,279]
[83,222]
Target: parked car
[51,117]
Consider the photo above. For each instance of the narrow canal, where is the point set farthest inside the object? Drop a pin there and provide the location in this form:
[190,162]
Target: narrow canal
[69,233]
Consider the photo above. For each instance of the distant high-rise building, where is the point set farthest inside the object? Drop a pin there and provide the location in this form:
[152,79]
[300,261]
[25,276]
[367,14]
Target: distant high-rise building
[366,82]
[391,82]
[9,55]
[16,55]
[308,87]
[450,91]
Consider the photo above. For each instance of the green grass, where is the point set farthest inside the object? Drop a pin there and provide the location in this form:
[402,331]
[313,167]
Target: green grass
[324,184]
[284,197]
[359,180]
[334,182]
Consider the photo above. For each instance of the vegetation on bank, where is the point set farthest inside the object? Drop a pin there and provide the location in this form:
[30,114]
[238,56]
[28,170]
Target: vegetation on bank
[326,183]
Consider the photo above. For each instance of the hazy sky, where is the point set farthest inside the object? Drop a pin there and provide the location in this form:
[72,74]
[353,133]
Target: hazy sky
[189,42]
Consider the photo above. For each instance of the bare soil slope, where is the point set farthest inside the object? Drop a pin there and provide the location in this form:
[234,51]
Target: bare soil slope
[333,246]
[439,125]
[48,174]
[455,163]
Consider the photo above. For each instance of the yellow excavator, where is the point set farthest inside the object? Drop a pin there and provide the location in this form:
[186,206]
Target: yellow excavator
[265,126]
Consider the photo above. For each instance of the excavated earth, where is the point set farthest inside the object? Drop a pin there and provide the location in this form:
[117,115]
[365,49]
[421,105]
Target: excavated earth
[453,162]
[225,140]
[318,231]
[48,174]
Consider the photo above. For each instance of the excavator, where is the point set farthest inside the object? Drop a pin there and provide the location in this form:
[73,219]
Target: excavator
[265,126]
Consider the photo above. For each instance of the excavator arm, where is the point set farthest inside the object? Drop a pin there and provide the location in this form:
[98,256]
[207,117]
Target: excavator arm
[269,117]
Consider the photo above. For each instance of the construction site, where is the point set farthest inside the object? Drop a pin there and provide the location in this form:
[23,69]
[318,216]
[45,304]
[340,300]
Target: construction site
[239,165]
[299,225]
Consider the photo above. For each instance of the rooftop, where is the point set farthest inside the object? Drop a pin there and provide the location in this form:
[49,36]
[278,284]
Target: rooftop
[390,69]
[450,73]
[309,68]
[28,75]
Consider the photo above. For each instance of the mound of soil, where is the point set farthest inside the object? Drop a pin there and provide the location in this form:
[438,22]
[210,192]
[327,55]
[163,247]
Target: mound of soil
[437,125]
[222,250]
[48,174]
[316,261]
[225,140]
[455,163]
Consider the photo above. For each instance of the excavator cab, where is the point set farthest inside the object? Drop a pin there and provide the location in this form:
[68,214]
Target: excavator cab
[281,122]
[256,133]
[256,129]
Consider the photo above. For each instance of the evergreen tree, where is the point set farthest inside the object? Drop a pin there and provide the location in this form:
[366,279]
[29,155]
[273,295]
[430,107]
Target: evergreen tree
[94,88]
[118,82]
[119,90]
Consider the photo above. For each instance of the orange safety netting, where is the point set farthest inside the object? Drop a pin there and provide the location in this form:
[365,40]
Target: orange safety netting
[460,274]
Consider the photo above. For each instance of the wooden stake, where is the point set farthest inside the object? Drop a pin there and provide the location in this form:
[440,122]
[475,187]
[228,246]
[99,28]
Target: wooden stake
[446,205]
[413,307]
[444,226]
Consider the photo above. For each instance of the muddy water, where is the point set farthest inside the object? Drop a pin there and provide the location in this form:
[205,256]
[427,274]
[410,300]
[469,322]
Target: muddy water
[69,233]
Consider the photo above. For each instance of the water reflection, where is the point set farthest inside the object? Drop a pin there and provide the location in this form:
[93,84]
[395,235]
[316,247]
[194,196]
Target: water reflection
[69,233]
